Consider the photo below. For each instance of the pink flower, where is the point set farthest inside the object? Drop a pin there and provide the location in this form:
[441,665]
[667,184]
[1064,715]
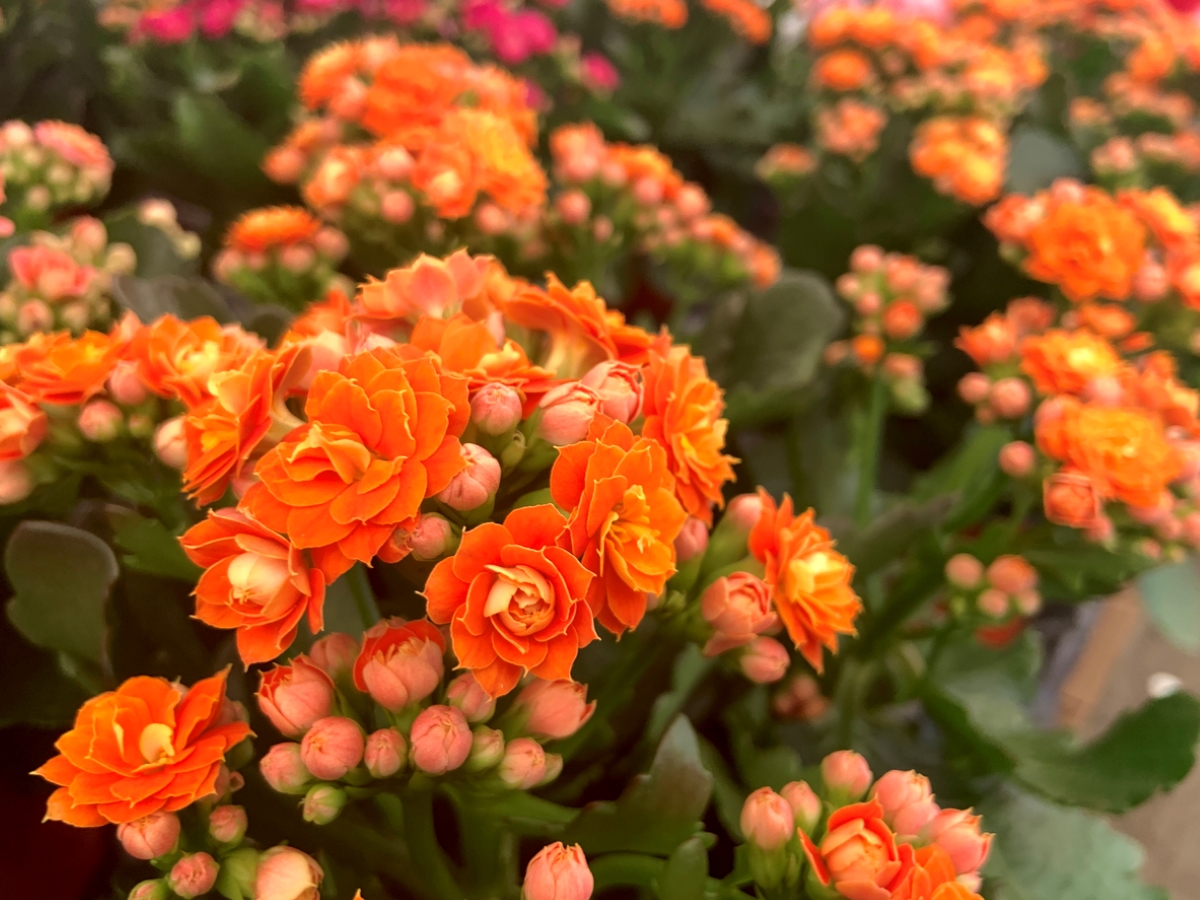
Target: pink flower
[765,660]
[193,876]
[334,654]
[555,709]
[440,739]
[619,387]
[496,408]
[173,26]
[400,663]
[218,16]
[467,694]
[907,801]
[332,747]
[385,752]
[476,484]
[738,607]
[567,412]
[957,832]
[227,824]
[598,73]
[283,769]
[805,804]
[692,540]
[51,274]
[294,696]
[558,873]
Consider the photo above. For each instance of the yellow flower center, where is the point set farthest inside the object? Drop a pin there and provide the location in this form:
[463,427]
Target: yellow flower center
[256,579]
[522,598]
[157,743]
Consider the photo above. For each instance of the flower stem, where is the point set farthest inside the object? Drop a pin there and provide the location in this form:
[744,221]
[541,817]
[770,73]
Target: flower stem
[870,438]
[427,856]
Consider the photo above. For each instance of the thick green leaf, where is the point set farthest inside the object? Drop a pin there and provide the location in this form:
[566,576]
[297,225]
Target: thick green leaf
[187,298]
[658,810]
[150,547]
[1172,597]
[221,146]
[350,603]
[1047,852]
[893,532]
[972,472]
[36,691]
[1037,158]
[61,576]
[686,873]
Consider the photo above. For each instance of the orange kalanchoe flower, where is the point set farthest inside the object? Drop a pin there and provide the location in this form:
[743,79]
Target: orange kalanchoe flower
[148,746]
[514,599]
[810,581]
[682,410]
[429,287]
[624,518]
[667,13]
[227,432]
[255,581]
[59,369]
[260,230]
[932,877]
[382,435]
[1165,217]
[749,19]
[501,165]
[326,72]
[1155,385]
[176,358]
[1064,362]
[22,424]
[843,70]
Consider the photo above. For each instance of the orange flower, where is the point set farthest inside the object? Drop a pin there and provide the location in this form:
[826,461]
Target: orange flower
[624,518]
[1162,213]
[810,581]
[148,746]
[382,435]
[932,877]
[1064,362]
[858,856]
[965,157]
[335,178]
[255,581]
[1156,385]
[1070,498]
[503,167]
[514,600]
[749,19]
[326,71]
[843,70]
[429,287]
[1106,319]
[682,410]
[176,358]
[1090,248]
[445,174]
[413,90]
[667,13]
[59,369]
[247,408]
[994,340]
[22,424]
[330,314]
[261,230]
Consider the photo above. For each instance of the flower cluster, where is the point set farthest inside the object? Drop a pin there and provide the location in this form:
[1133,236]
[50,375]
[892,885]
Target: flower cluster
[891,295]
[747,18]
[1007,587]
[857,839]
[45,167]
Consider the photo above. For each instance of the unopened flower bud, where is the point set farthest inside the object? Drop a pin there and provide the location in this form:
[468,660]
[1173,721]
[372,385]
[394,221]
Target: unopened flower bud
[100,421]
[1010,397]
[496,408]
[567,412]
[993,603]
[744,511]
[902,319]
[523,765]
[619,387]
[476,484]
[907,801]
[487,749]
[193,876]
[238,870]
[334,654]
[432,538]
[16,481]
[150,837]
[1017,459]
[385,753]
[974,387]
[554,709]
[573,206]
[285,873]
[765,660]
[964,571]
[295,696]
[396,207]
[1011,574]
[125,384]
[467,694]
[805,804]
[283,769]
[558,873]
[847,776]
[170,445]
[767,820]
[34,316]
[554,766]
[332,747]
[227,824]
[440,740]
[323,803]
[692,540]
[957,832]
[155,889]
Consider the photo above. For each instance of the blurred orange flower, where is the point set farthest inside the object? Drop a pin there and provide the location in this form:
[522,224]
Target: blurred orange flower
[176,358]
[1064,362]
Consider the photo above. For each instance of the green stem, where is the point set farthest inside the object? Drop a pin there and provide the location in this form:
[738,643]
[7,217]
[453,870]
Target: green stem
[427,856]
[869,442]
[360,590]
[852,687]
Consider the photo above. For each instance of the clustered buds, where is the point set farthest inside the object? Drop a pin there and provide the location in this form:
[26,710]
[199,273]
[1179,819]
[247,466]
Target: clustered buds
[47,166]
[1005,588]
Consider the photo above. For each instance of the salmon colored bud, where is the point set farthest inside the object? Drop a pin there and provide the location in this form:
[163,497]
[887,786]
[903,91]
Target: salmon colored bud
[396,207]
[907,801]
[16,481]
[34,316]
[491,219]
[297,259]
[476,484]
[432,538]
[467,694]
[283,769]
[1071,499]
[957,832]
[648,191]
[284,873]
[847,777]
[331,244]
[400,663]
[994,604]
[738,607]
[567,412]
[155,889]
[974,387]
[150,837]
[284,165]
[1150,284]
[100,421]
[323,803]
[558,873]
[523,765]
[602,229]
[1010,397]
[193,876]
[1104,390]
[1155,514]
[765,660]
[767,820]
[866,259]
[619,386]
[125,384]
[692,540]
[555,709]
[1029,603]
[487,749]
[848,286]
[902,319]
[332,747]
[394,164]
[1011,574]
[1191,529]
[573,206]
[964,571]
[227,824]
[496,408]
[334,654]
[692,202]
[744,511]
[868,304]
[170,445]
[1017,459]
[440,740]
[805,804]
[294,696]
[385,753]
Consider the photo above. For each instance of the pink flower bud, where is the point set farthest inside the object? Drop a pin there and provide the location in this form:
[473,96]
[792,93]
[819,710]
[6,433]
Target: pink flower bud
[573,206]
[1010,397]
[295,696]
[496,408]
[648,191]
[34,316]
[523,765]
[385,752]
[331,244]
[619,387]
[974,387]
[396,207]
[170,445]
[555,709]
[284,873]
[1017,459]
[487,749]
[805,804]
[283,769]
[867,258]
[332,747]
[440,739]
[964,571]
[334,654]
[400,663]
[744,511]
[1150,284]
[432,538]
[847,776]
[193,876]
[993,604]
[100,421]
[16,481]
[474,485]
[738,607]
[957,832]
[491,219]
[907,801]
[1191,529]
[297,258]
[765,660]
[155,889]
[692,202]
[150,837]
[902,319]
[554,766]
[692,540]
[602,229]
[467,694]
[1104,390]
[395,163]
[227,824]
[567,412]
[767,820]
[1011,574]
[557,873]
[1029,602]
[323,803]
[125,384]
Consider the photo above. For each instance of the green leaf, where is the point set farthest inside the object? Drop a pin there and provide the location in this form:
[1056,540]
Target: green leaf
[187,298]
[350,603]
[1172,597]
[1037,158]
[156,253]
[1047,852]
[658,810]
[686,873]
[893,532]
[36,691]
[61,576]
[222,146]
[150,547]
[972,472]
